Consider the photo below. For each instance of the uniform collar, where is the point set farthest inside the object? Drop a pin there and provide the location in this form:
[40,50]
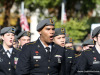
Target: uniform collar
[10,50]
[50,46]
[97,49]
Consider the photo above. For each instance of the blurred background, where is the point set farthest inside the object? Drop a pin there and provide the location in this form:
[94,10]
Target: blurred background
[76,16]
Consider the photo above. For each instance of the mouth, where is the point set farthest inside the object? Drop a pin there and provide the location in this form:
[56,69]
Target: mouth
[51,37]
[11,41]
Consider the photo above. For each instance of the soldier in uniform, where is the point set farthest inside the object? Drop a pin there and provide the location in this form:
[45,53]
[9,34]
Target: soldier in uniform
[59,37]
[42,57]
[23,38]
[8,54]
[89,63]
[88,44]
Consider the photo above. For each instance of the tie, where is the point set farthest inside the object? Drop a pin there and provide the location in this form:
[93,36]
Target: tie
[8,53]
[48,51]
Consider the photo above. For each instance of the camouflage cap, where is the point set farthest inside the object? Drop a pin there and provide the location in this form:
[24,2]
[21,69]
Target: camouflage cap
[23,33]
[45,22]
[7,30]
[59,31]
[95,31]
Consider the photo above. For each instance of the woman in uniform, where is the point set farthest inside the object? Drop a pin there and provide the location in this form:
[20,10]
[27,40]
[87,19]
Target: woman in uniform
[8,54]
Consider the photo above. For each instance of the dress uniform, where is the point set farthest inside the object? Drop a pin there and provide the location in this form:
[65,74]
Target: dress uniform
[37,59]
[59,38]
[89,63]
[8,58]
[23,38]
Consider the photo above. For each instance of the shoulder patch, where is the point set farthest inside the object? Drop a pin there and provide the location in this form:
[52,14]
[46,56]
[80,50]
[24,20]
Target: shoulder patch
[18,49]
[87,50]
[77,55]
[69,48]
[31,43]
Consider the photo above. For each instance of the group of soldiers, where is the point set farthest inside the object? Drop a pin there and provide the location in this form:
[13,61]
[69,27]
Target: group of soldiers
[51,54]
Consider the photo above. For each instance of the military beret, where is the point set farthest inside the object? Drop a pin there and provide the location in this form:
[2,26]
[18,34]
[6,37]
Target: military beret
[59,31]
[88,42]
[7,30]
[23,33]
[95,31]
[45,22]
[68,40]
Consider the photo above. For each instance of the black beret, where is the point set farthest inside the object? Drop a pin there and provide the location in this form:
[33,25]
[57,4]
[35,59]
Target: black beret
[59,31]
[95,31]
[23,33]
[88,42]
[7,30]
[68,40]
[45,22]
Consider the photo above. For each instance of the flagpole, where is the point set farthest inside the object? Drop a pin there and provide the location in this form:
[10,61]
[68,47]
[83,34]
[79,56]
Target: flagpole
[63,13]
[22,11]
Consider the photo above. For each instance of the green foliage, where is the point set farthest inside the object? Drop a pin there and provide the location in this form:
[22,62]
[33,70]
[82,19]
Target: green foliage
[77,29]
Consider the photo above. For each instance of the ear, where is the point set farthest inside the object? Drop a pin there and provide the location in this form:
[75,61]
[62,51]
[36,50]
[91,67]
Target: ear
[2,37]
[95,38]
[40,32]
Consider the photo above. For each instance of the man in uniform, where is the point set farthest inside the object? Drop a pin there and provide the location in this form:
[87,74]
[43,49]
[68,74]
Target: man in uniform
[42,57]
[88,44]
[59,39]
[23,38]
[89,63]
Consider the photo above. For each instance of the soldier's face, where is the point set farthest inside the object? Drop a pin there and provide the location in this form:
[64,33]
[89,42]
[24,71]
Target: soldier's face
[47,33]
[8,39]
[23,40]
[60,40]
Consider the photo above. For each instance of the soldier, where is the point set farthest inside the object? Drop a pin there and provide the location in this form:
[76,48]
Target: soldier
[23,38]
[89,63]
[42,57]
[8,54]
[59,37]
[69,42]
[88,44]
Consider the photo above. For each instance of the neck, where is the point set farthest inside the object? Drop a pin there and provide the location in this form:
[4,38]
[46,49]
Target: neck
[45,43]
[6,47]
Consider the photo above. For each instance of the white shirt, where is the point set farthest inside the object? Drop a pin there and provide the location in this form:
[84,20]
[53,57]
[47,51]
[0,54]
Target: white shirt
[97,49]
[50,46]
[10,50]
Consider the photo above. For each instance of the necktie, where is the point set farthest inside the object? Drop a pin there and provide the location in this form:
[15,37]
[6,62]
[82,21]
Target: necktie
[48,51]
[8,53]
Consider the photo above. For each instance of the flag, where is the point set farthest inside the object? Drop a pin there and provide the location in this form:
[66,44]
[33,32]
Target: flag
[23,23]
[63,14]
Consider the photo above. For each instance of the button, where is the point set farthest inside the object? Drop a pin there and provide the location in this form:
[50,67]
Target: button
[9,69]
[48,67]
[9,63]
[48,60]
[36,60]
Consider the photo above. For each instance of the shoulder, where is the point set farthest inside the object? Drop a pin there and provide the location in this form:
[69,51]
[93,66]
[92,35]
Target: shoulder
[18,49]
[30,43]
